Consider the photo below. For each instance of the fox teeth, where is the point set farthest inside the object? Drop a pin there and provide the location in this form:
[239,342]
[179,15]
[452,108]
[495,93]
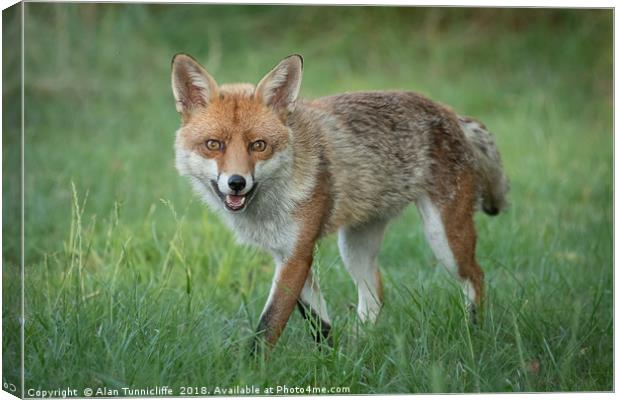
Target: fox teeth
[237,200]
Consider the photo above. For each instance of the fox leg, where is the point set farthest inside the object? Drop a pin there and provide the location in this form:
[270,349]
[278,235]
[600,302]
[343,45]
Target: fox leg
[313,307]
[293,269]
[288,282]
[451,234]
[359,249]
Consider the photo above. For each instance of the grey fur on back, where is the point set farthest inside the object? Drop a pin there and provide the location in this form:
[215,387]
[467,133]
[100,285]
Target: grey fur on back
[379,158]
[390,148]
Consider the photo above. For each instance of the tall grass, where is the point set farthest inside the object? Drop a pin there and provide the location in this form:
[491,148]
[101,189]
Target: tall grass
[131,282]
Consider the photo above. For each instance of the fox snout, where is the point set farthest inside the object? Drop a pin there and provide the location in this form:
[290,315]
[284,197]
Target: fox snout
[234,190]
[237,184]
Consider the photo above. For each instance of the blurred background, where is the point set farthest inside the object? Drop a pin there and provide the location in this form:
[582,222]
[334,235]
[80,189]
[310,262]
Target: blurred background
[99,113]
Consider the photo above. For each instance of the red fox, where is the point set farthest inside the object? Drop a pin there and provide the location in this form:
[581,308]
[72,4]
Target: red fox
[283,172]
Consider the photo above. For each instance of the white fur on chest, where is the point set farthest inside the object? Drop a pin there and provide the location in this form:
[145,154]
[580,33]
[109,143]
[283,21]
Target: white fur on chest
[267,223]
[277,234]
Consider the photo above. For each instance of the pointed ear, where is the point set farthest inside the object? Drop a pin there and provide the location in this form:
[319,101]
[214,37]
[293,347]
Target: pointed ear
[192,85]
[280,87]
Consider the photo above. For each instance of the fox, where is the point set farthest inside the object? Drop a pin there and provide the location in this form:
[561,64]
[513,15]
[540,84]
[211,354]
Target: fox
[283,172]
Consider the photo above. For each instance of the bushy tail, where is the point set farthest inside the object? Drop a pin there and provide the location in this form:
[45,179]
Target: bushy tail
[493,184]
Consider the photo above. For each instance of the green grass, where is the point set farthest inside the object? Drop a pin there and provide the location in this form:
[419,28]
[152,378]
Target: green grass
[132,282]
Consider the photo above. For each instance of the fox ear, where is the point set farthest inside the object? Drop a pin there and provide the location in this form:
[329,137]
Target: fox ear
[192,85]
[280,87]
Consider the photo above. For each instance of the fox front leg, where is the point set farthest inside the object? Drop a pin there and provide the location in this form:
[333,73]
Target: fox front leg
[293,271]
[288,282]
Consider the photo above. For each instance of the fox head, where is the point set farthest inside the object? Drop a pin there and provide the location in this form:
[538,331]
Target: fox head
[232,137]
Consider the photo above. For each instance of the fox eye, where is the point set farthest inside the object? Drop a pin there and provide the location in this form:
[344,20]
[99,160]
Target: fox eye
[213,145]
[259,145]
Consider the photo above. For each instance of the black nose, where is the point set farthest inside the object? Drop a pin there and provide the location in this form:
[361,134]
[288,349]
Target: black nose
[236,182]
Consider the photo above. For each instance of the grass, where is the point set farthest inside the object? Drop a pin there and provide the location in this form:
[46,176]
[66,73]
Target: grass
[131,282]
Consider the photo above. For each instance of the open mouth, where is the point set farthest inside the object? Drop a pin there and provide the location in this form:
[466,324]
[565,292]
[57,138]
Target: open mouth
[234,202]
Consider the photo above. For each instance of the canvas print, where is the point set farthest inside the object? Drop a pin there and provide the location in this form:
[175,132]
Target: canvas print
[212,200]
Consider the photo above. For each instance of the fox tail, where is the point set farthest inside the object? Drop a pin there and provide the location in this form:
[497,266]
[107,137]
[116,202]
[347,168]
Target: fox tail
[492,182]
